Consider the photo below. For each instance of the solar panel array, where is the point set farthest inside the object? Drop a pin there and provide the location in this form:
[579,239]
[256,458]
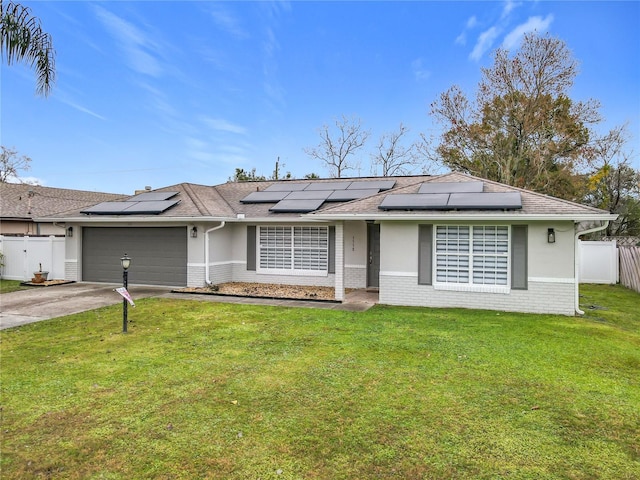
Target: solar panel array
[149,203]
[452,196]
[309,196]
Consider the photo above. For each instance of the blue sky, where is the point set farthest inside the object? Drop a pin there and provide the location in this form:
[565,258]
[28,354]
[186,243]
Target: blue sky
[158,93]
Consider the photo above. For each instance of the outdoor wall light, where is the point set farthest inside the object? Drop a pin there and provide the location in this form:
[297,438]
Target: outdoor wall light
[70,232]
[194,232]
[551,236]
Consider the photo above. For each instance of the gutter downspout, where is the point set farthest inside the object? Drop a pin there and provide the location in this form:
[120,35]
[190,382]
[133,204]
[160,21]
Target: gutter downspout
[577,261]
[207,278]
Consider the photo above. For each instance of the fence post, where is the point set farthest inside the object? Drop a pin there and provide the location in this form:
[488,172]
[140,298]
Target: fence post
[25,265]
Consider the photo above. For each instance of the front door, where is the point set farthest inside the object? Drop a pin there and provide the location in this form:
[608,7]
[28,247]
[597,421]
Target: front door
[373,255]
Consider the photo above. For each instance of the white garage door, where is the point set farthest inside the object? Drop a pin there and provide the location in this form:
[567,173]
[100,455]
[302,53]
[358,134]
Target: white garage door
[158,255]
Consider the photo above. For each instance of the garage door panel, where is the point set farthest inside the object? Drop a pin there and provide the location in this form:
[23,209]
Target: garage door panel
[159,254]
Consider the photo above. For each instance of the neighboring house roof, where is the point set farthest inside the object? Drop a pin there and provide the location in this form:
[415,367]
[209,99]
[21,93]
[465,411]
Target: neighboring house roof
[19,201]
[225,202]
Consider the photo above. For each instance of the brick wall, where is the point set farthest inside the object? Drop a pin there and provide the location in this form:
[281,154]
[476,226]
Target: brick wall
[71,271]
[355,276]
[541,297]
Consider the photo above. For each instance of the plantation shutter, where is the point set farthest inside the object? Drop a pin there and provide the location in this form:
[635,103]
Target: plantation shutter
[519,257]
[332,249]
[251,247]
[425,241]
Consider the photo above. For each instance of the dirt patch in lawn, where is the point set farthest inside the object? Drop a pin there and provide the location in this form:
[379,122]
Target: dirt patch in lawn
[265,290]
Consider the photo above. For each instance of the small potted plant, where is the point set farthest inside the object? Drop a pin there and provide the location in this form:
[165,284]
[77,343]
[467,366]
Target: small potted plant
[40,276]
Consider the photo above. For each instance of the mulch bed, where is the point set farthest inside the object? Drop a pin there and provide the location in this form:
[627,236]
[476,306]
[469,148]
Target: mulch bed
[265,290]
[48,283]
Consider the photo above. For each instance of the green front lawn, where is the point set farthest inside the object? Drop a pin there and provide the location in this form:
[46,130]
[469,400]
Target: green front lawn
[205,390]
[7,286]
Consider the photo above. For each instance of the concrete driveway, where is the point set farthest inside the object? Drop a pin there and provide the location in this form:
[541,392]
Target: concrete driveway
[43,303]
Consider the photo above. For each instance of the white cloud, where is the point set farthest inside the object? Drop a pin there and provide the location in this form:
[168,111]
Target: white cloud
[137,46]
[484,43]
[419,71]
[509,6]
[472,21]
[25,180]
[222,125]
[532,24]
[82,109]
[226,21]
[462,38]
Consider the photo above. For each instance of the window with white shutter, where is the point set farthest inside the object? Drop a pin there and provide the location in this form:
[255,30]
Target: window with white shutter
[294,250]
[472,258]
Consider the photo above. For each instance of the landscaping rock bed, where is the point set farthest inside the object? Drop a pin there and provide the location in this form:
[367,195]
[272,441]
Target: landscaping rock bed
[265,290]
[47,283]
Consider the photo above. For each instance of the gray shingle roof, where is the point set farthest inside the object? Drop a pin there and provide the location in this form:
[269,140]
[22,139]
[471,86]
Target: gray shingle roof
[23,201]
[532,203]
[224,201]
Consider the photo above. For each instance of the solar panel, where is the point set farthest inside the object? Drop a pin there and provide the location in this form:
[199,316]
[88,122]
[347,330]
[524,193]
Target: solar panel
[348,195]
[264,197]
[309,195]
[329,186]
[152,196]
[106,208]
[379,184]
[451,187]
[415,201]
[297,206]
[286,187]
[149,207]
[485,201]
[131,208]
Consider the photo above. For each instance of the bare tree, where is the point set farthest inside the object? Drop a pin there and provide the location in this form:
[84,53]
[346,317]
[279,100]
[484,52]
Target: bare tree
[393,156]
[613,184]
[338,146]
[11,164]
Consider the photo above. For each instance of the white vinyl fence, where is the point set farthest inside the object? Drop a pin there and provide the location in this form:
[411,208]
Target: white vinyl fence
[24,255]
[598,262]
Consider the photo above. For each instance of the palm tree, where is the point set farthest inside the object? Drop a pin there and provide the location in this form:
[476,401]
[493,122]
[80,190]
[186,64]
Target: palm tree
[22,39]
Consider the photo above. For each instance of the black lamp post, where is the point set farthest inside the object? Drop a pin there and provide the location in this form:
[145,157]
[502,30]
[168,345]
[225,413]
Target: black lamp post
[126,262]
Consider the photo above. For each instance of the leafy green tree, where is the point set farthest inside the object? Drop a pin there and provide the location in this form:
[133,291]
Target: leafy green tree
[522,129]
[23,40]
[242,175]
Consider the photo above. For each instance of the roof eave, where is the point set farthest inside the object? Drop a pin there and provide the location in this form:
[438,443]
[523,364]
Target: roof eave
[464,216]
[131,219]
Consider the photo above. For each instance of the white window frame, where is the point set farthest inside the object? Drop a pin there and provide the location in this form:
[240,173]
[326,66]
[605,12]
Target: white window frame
[296,251]
[469,285]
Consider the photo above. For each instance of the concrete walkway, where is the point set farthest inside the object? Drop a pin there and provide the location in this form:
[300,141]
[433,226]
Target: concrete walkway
[42,303]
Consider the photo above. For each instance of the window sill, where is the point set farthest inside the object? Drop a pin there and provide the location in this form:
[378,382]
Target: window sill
[502,289]
[295,273]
